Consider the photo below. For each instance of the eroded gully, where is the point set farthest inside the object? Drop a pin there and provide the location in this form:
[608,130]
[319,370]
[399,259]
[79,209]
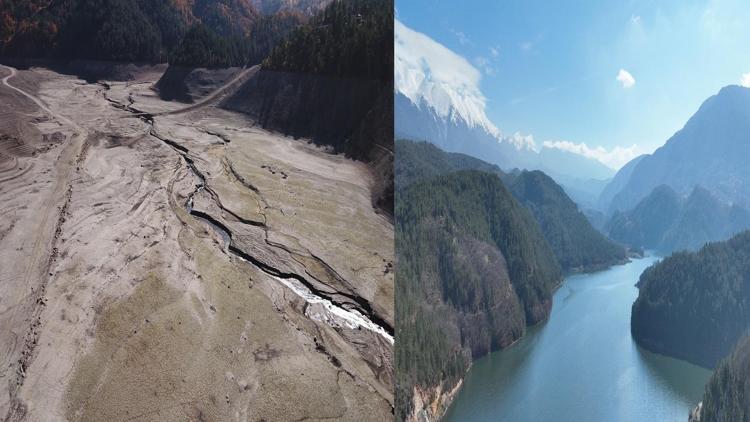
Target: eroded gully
[353,313]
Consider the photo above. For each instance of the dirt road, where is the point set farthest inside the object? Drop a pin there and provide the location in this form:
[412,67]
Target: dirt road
[22,294]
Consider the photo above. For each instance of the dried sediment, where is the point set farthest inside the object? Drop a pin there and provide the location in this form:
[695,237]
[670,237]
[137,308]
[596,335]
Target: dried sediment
[152,309]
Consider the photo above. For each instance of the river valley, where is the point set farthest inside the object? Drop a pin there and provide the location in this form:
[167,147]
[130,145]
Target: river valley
[582,364]
[171,261]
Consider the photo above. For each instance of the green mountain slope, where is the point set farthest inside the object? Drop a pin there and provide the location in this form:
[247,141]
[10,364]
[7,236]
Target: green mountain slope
[695,305]
[727,396]
[473,270]
[666,222]
[184,32]
[575,243]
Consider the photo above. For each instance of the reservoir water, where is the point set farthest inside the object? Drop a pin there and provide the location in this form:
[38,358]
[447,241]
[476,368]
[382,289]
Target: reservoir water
[582,364]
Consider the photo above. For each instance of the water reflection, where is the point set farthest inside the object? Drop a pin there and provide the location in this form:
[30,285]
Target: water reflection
[582,364]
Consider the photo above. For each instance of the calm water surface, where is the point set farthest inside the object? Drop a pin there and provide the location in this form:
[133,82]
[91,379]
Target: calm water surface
[582,365]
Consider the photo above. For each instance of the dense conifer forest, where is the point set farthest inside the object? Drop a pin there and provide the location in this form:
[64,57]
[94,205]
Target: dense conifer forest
[667,221]
[576,244]
[351,38]
[331,81]
[696,305]
[727,396]
[216,33]
[473,270]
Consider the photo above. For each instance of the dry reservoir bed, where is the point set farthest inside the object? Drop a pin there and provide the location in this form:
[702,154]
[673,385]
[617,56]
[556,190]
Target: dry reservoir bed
[165,262]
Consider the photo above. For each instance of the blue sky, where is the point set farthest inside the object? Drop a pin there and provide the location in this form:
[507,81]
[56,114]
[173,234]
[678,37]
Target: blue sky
[550,68]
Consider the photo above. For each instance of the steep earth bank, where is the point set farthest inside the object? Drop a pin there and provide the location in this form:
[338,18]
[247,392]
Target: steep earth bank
[362,110]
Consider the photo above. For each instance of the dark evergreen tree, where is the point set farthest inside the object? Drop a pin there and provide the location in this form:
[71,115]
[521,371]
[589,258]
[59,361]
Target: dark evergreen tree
[695,305]
[473,270]
[576,244]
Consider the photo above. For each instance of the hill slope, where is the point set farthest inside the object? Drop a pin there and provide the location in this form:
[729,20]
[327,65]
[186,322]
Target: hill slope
[191,32]
[710,150]
[473,270]
[666,222]
[695,305]
[727,396]
[331,81]
[576,245]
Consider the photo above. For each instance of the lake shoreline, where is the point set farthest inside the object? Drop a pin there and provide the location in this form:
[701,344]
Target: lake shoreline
[591,311]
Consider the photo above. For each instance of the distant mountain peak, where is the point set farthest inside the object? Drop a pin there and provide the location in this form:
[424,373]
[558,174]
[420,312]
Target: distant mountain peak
[437,98]
[421,74]
[711,150]
[434,77]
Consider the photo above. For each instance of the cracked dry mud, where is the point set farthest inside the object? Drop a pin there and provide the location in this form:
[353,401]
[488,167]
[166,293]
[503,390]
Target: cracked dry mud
[164,262]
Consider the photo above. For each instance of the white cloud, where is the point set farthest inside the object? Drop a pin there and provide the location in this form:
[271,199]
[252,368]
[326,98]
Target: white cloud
[526,45]
[495,52]
[485,64]
[635,19]
[625,78]
[425,71]
[745,80]
[522,141]
[614,158]
[462,38]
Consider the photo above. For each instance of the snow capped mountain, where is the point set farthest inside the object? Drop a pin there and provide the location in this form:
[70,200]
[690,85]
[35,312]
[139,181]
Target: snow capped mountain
[438,99]
[435,78]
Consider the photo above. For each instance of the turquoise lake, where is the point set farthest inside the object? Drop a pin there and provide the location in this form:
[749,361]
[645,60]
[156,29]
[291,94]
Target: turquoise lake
[582,364]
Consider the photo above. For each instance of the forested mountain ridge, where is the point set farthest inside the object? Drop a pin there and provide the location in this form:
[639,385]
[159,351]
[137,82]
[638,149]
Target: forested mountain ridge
[666,221]
[727,396]
[346,40]
[576,244]
[204,46]
[695,305]
[222,32]
[308,7]
[473,270]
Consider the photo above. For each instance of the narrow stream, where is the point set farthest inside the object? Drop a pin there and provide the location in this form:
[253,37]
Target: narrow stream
[319,308]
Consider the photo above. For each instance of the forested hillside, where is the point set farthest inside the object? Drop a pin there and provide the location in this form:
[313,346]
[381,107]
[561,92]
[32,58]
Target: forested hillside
[348,40]
[696,305]
[308,7]
[332,81]
[666,222]
[194,33]
[577,245]
[473,270]
[727,396]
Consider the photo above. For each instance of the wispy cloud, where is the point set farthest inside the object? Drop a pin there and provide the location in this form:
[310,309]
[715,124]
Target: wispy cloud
[745,80]
[485,64]
[488,64]
[522,141]
[635,19]
[529,45]
[462,38]
[614,158]
[626,79]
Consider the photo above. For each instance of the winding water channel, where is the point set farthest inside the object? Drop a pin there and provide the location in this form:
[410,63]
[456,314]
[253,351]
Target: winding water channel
[582,364]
